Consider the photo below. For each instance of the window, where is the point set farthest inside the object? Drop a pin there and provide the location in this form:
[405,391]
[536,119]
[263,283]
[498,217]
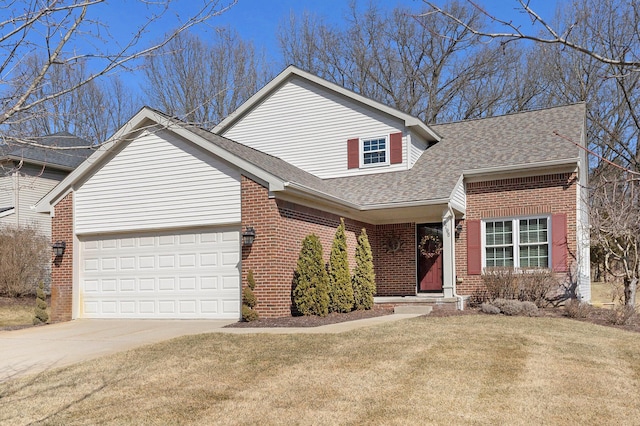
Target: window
[519,243]
[374,152]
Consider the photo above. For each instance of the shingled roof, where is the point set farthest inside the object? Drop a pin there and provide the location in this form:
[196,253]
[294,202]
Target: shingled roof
[519,139]
[67,159]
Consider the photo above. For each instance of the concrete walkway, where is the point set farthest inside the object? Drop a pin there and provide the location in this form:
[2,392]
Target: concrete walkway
[36,349]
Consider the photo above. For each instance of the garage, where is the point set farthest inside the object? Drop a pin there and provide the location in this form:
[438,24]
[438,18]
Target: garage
[179,274]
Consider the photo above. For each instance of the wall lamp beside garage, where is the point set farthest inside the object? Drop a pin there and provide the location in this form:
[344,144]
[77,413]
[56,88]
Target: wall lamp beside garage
[58,248]
[248,236]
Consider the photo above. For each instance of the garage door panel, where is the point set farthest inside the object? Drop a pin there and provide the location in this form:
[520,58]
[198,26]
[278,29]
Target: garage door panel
[172,275]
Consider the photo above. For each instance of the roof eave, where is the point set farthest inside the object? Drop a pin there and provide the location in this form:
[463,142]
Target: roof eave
[410,121]
[539,165]
[139,121]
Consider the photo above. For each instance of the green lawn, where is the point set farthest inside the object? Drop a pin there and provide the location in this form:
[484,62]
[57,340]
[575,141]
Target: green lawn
[475,369]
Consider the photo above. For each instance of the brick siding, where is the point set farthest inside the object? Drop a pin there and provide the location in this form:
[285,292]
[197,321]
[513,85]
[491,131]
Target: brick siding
[529,196]
[62,269]
[280,228]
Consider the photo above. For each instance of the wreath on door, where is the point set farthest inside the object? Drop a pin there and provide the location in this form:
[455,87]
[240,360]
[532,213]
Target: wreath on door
[430,246]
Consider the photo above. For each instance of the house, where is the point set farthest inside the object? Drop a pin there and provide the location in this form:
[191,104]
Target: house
[153,221]
[28,172]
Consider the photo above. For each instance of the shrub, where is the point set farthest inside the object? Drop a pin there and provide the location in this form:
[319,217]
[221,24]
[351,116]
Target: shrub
[40,315]
[528,286]
[364,277]
[340,288]
[621,314]
[488,308]
[479,297]
[249,299]
[536,286]
[310,282]
[511,307]
[577,309]
[529,309]
[24,260]
[501,283]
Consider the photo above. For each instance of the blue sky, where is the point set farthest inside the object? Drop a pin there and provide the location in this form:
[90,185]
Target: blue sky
[258,20]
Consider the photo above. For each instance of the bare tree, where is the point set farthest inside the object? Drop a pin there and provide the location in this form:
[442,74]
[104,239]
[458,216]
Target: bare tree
[63,34]
[202,82]
[601,19]
[616,225]
[93,111]
[426,65]
[591,53]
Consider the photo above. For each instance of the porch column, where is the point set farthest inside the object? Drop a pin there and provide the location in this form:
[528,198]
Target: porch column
[448,254]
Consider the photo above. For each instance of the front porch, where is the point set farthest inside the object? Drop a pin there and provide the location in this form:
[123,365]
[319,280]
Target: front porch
[421,303]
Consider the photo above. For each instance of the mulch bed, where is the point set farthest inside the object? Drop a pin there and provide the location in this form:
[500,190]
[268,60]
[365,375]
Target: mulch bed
[597,316]
[314,321]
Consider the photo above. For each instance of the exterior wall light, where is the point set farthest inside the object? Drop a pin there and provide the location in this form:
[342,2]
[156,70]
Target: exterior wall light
[458,229]
[58,248]
[248,236]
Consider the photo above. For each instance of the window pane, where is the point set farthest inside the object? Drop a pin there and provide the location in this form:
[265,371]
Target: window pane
[374,151]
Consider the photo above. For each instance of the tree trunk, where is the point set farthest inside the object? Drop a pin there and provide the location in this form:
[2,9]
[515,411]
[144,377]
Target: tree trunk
[630,291]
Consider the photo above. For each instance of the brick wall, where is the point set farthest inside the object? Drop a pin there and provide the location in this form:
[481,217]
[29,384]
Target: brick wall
[395,269]
[280,228]
[547,194]
[62,269]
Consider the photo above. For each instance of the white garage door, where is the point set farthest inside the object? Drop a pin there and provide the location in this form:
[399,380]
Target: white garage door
[186,274]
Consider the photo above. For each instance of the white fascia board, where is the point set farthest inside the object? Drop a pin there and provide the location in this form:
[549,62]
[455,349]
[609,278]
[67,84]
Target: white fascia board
[541,165]
[433,202]
[410,121]
[142,119]
[8,212]
[39,163]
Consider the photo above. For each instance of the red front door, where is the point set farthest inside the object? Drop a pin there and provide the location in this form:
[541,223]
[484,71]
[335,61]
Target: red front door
[429,257]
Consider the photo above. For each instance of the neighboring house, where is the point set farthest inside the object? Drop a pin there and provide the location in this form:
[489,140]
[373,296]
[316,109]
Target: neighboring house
[29,172]
[153,221]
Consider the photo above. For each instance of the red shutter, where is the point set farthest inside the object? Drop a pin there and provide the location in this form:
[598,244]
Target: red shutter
[559,242]
[474,248]
[353,153]
[395,148]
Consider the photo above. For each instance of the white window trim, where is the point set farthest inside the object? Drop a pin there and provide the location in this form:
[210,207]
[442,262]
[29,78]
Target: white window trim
[516,238]
[386,150]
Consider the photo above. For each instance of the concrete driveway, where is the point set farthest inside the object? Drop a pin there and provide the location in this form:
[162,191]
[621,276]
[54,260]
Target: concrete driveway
[36,349]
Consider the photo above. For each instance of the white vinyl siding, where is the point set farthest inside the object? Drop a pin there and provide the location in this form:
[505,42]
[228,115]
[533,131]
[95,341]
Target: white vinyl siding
[158,181]
[309,127]
[459,196]
[23,190]
[176,274]
[416,148]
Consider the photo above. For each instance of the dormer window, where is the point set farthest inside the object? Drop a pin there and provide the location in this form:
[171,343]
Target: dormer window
[375,152]
[371,152]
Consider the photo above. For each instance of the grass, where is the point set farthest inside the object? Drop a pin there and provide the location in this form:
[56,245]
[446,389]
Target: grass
[604,294]
[455,370]
[16,312]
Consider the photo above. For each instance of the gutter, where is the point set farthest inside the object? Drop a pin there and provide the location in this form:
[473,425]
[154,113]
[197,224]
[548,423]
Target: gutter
[520,167]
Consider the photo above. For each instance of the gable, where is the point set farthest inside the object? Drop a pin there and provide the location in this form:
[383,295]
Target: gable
[309,126]
[157,181]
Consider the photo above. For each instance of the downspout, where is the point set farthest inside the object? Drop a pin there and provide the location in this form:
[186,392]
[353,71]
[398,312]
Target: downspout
[452,237]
